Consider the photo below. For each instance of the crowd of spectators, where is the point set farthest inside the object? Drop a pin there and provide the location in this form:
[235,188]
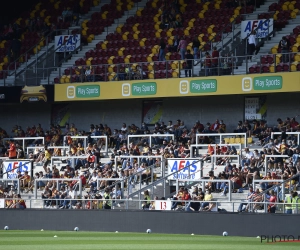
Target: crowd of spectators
[123,164]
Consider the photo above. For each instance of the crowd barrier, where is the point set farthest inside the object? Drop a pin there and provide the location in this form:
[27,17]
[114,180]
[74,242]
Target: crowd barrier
[14,183]
[162,205]
[72,158]
[196,147]
[84,138]
[28,149]
[239,138]
[58,183]
[272,156]
[23,139]
[149,136]
[288,133]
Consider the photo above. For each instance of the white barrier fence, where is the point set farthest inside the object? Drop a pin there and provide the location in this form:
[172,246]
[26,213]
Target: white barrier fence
[59,183]
[72,158]
[272,156]
[84,138]
[259,182]
[126,204]
[179,182]
[23,139]
[139,157]
[149,136]
[288,133]
[14,183]
[196,146]
[231,140]
[50,147]
[217,168]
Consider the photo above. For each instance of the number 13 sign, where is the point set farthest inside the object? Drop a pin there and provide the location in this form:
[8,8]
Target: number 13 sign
[163,205]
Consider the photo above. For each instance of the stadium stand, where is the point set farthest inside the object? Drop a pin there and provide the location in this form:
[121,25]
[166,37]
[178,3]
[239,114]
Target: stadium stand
[137,40]
[266,159]
[33,27]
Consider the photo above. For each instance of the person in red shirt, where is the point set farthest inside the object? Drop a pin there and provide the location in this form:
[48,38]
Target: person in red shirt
[294,124]
[215,126]
[215,61]
[12,151]
[83,179]
[272,200]
[186,196]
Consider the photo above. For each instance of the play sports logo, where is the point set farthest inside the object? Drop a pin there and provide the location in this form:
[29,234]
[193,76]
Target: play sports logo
[247,84]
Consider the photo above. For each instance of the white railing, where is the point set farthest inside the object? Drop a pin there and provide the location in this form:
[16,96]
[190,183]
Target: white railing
[69,157]
[138,157]
[222,136]
[149,136]
[58,182]
[50,147]
[217,168]
[106,142]
[192,146]
[127,204]
[272,156]
[25,139]
[255,182]
[139,174]
[11,182]
[112,179]
[203,181]
[93,137]
[288,133]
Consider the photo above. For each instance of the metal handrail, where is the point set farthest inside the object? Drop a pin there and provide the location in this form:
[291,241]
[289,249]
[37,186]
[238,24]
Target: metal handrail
[55,32]
[245,39]
[232,24]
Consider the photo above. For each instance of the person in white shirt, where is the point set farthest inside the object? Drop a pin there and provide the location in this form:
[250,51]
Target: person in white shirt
[252,44]
[247,157]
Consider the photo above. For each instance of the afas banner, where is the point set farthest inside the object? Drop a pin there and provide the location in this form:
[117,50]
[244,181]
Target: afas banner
[11,168]
[263,27]
[177,87]
[190,169]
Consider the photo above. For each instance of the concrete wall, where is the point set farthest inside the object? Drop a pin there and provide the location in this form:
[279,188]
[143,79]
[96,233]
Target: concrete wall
[189,109]
[25,114]
[202,223]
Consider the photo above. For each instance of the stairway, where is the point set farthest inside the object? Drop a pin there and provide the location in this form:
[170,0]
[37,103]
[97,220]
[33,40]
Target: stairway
[268,45]
[92,45]
[19,76]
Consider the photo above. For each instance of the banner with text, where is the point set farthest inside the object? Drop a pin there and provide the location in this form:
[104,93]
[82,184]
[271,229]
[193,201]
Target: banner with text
[176,87]
[191,169]
[67,43]
[12,168]
[263,27]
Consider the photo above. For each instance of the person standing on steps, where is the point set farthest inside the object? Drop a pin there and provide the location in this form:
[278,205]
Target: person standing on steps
[182,47]
[284,45]
[252,44]
[162,50]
